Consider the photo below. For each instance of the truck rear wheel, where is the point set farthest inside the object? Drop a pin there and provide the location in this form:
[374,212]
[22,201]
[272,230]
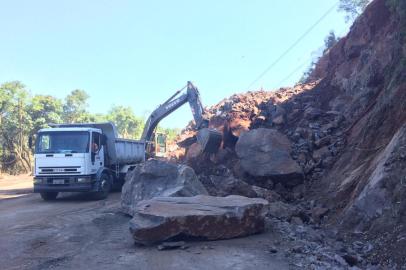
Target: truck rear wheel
[104,187]
[119,182]
[49,196]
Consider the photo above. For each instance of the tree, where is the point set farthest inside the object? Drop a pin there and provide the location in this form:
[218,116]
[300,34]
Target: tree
[172,133]
[95,118]
[306,75]
[44,110]
[330,41]
[74,109]
[15,126]
[353,8]
[128,124]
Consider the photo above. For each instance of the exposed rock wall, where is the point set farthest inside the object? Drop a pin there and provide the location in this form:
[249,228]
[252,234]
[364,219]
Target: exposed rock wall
[346,131]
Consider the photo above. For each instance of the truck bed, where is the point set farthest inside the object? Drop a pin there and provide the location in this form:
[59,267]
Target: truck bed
[129,151]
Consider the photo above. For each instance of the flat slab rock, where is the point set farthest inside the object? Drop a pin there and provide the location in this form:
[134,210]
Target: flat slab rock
[199,217]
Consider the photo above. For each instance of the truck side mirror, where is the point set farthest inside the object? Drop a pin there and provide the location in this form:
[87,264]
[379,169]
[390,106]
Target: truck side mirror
[30,142]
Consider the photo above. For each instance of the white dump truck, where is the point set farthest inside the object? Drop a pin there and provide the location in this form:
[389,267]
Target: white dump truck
[91,158]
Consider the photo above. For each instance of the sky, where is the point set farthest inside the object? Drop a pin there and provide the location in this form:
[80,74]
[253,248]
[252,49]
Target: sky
[138,53]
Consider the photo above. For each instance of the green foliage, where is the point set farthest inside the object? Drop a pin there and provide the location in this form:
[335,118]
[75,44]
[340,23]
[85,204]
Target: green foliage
[353,8]
[329,42]
[171,133]
[15,126]
[306,75]
[44,110]
[74,109]
[96,118]
[128,124]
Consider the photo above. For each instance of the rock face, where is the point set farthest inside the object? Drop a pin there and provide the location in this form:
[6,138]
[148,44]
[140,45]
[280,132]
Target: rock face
[156,178]
[386,182]
[266,152]
[346,130]
[282,210]
[225,186]
[200,217]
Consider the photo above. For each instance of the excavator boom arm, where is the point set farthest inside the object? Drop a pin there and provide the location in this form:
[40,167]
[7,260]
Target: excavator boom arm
[172,104]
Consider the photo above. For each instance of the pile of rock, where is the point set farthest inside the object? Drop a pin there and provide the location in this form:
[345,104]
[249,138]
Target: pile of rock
[279,137]
[339,138]
[168,202]
[275,144]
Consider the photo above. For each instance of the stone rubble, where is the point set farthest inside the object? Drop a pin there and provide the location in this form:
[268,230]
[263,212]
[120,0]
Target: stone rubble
[327,155]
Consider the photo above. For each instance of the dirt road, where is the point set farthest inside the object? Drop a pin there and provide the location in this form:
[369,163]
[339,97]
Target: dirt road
[76,233]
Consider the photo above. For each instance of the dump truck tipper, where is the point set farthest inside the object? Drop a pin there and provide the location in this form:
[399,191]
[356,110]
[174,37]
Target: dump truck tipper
[90,157]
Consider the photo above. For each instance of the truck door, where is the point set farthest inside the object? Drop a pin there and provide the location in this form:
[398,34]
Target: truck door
[97,152]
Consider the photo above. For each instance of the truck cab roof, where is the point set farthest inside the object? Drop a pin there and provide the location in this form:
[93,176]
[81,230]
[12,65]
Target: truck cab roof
[70,129]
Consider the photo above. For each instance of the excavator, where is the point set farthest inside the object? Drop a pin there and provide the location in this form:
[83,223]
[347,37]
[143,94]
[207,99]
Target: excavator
[209,139]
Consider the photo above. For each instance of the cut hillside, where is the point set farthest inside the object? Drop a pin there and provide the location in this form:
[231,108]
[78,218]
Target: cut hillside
[347,134]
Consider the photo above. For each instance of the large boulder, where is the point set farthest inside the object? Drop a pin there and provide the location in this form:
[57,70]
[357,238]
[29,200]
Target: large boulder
[266,153]
[198,217]
[156,178]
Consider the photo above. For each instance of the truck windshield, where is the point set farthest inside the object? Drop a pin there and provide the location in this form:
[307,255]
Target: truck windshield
[62,142]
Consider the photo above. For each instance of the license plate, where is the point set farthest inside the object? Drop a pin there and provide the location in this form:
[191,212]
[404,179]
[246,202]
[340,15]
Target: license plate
[58,181]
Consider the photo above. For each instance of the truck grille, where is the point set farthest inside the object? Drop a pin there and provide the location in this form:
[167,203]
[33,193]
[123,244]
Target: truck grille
[59,170]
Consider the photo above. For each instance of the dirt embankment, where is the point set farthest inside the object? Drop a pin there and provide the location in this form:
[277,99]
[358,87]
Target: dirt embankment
[347,130]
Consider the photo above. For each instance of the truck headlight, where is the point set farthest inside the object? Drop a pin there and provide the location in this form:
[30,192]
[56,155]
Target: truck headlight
[37,181]
[84,179]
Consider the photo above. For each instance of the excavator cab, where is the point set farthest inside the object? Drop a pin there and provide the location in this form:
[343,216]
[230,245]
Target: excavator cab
[160,144]
[157,146]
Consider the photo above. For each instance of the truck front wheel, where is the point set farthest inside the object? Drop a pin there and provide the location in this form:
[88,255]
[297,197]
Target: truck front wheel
[49,196]
[104,187]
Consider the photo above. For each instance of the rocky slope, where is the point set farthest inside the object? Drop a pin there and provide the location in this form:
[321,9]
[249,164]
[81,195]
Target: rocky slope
[347,134]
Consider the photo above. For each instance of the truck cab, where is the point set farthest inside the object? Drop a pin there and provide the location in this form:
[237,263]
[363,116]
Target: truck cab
[67,159]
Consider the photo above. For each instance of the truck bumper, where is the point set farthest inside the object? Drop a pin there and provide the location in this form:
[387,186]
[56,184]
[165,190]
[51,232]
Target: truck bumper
[79,183]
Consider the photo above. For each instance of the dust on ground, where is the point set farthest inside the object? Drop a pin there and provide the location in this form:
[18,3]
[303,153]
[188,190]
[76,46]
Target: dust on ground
[74,232]
[12,186]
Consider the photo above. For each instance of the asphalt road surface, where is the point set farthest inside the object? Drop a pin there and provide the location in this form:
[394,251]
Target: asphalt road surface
[74,232]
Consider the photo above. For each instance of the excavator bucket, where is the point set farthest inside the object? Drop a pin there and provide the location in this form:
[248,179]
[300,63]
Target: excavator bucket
[209,139]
